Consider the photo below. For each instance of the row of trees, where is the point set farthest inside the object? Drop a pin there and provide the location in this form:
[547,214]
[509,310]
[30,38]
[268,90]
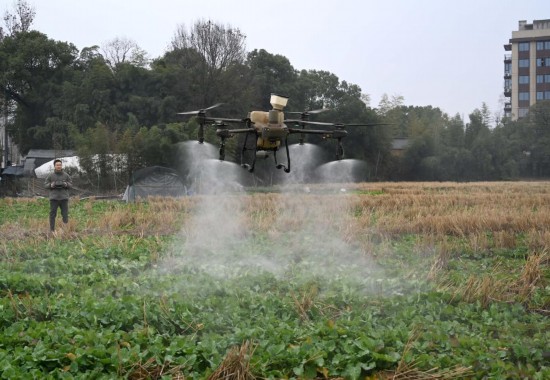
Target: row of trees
[115,100]
[443,148]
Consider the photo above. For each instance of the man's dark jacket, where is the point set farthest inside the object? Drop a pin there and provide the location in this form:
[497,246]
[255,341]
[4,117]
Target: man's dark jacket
[62,183]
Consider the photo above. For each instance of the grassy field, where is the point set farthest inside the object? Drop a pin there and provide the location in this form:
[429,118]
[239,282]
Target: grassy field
[375,281]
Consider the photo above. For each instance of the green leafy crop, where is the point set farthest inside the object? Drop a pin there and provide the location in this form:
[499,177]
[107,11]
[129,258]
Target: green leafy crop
[121,304]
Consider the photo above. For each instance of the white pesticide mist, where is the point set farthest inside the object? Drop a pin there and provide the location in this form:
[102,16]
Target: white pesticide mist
[212,237]
[304,159]
[192,152]
[342,171]
[293,236]
[328,226]
[216,222]
[319,239]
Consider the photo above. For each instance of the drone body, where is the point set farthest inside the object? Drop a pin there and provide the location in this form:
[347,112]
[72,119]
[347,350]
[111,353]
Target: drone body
[270,131]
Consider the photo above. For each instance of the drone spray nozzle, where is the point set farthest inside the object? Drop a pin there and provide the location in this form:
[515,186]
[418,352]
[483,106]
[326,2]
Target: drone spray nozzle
[339,133]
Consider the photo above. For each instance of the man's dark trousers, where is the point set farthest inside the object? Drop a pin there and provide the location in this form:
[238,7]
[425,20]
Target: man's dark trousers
[64,206]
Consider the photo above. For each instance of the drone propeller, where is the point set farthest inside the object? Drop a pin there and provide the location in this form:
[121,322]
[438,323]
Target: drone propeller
[305,114]
[201,111]
[201,115]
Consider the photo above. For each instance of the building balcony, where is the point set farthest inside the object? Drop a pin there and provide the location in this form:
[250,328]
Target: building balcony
[507,107]
[507,75]
[508,47]
[507,57]
[507,91]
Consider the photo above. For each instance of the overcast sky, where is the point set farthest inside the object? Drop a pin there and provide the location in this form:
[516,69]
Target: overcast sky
[431,52]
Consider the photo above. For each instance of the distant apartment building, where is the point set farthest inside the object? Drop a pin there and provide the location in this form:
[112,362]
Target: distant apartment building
[527,67]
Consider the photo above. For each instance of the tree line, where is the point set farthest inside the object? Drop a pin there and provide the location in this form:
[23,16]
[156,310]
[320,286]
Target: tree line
[115,100]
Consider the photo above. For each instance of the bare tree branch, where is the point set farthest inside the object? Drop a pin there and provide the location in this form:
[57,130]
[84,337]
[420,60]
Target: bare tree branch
[219,45]
[124,50]
[19,21]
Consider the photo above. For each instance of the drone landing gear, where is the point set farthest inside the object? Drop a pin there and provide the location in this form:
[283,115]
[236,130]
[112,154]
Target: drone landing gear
[261,154]
[286,167]
[339,150]
[222,149]
[249,167]
[201,133]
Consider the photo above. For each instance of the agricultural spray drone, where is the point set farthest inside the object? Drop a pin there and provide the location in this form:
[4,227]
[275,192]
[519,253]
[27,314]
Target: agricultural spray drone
[270,131]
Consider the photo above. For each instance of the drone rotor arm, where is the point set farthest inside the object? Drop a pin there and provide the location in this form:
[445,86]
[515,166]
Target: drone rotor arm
[337,125]
[226,133]
[307,122]
[310,131]
[338,133]
[223,120]
[242,130]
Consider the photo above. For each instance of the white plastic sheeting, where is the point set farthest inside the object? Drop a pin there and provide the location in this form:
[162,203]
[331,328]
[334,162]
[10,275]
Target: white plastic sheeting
[68,162]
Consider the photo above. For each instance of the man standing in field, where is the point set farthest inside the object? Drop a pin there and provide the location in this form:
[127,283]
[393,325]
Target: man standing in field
[59,184]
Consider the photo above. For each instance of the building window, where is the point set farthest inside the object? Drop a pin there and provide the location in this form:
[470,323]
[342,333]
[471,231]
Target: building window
[507,83]
[540,78]
[525,62]
[523,46]
[547,95]
[543,62]
[540,95]
[547,78]
[546,45]
[523,79]
[540,45]
[522,112]
[523,96]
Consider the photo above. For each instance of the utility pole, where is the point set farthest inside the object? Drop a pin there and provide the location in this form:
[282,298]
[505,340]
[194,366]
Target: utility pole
[6,130]
[6,149]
